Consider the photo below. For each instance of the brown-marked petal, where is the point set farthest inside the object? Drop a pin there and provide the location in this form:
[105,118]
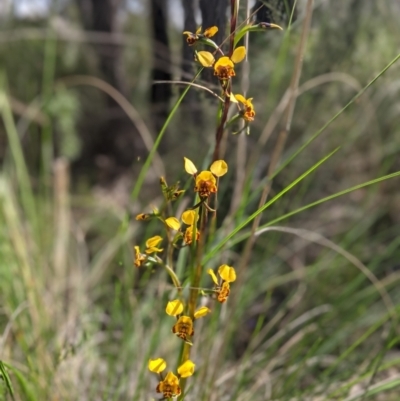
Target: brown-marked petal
[174,307]
[157,365]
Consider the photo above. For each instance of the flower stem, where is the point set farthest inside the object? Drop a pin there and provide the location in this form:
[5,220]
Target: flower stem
[227,86]
[195,284]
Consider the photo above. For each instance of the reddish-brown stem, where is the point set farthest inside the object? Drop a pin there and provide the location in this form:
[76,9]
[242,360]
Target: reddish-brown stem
[221,126]
[227,88]
[234,13]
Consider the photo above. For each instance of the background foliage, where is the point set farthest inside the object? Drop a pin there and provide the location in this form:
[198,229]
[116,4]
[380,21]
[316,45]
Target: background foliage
[77,321]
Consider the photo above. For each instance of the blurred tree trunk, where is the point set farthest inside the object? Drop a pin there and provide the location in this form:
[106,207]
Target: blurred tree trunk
[110,140]
[274,11]
[100,16]
[214,12]
[340,42]
[191,103]
[161,70]
[187,51]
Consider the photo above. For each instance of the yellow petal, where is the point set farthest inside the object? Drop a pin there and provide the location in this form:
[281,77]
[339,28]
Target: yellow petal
[189,217]
[174,307]
[205,176]
[153,249]
[153,241]
[219,168]
[210,32]
[157,365]
[223,62]
[190,167]
[206,59]
[213,276]
[240,98]
[171,379]
[232,98]
[227,273]
[239,54]
[201,312]
[186,369]
[198,30]
[173,223]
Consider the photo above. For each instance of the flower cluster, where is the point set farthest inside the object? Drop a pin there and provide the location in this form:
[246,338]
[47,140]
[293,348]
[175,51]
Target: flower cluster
[183,328]
[151,245]
[169,385]
[206,181]
[222,287]
[224,70]
[191,227]
[184,231]
[192,38]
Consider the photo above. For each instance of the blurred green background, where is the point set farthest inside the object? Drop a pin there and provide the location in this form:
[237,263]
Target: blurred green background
[79,115]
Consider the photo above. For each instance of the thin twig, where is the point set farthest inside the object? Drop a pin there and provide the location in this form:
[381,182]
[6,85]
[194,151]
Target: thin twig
[190,84]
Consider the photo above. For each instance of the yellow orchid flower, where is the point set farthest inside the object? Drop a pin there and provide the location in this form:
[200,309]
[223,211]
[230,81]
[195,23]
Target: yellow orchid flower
[169,387]
[224,68]
[142,216]
[151,247]
[206,184]
[247,112]
[192,38]
[139,257]
[189,234]
[223,292]
[183,328]
[152,243]
[222,288]
[205,181]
